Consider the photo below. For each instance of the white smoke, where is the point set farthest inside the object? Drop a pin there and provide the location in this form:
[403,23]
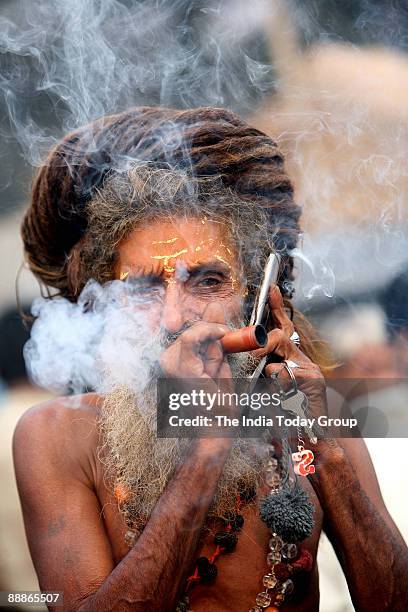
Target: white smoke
[82,59]
[340,113]
[102,340]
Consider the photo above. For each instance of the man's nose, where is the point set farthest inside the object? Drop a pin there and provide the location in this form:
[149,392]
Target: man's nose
[173,317]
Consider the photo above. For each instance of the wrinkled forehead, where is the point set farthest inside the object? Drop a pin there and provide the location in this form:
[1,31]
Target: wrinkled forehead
[162,246]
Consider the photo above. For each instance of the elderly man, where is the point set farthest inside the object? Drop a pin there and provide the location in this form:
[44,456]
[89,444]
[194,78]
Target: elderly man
[182,208]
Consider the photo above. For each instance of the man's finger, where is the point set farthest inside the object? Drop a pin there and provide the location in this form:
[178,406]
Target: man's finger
[201,332]
[201,343]
[278,311]
[214,355]
[280,344]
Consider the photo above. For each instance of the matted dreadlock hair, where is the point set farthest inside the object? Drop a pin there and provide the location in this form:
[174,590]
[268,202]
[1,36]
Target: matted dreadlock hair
[212,149]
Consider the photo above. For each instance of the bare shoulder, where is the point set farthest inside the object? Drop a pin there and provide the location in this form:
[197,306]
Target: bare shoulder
[55,458]
[59,419]
[61,410]
[63,431]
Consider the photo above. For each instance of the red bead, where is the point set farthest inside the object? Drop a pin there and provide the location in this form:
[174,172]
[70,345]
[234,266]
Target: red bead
[281,571]
[122,493]
[304,563]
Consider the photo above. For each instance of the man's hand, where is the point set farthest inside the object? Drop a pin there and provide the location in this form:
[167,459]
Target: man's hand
[198,353]
[309,378]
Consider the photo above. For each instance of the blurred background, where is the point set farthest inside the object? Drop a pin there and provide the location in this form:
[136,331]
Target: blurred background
[327,79]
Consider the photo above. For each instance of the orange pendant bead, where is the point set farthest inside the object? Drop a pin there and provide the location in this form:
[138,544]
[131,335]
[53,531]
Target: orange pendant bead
[121,493]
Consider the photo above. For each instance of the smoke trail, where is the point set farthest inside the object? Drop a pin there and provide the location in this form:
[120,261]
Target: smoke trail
[66,63]
[81,59]
[341,119]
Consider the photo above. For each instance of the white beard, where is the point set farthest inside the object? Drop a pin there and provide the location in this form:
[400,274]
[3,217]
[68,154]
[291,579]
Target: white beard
[143,464]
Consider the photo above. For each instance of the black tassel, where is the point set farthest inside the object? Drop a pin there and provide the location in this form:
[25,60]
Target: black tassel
[288,513]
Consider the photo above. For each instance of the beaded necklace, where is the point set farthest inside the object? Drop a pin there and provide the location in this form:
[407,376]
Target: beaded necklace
[286,510]
[285,558]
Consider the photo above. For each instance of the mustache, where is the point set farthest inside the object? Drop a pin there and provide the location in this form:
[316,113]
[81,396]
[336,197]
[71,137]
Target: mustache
[242,364]
[168,338]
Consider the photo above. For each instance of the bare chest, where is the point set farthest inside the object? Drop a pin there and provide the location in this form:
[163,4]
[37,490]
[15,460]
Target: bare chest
[240,573]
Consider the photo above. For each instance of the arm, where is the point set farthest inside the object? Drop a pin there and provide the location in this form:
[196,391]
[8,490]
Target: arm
[153,573]
[372,553]
[370,549]
[66,534]
[56,476]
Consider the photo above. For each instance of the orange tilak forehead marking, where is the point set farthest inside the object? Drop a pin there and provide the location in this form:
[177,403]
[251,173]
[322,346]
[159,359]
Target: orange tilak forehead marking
[171,269]
[171,255]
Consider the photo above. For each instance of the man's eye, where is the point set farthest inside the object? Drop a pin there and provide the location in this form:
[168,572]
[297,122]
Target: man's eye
[144,287]
[148,289]
[210,281]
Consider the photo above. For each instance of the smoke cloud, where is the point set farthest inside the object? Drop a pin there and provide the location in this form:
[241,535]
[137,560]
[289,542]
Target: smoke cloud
[81,59]
[339,111]
[101,341]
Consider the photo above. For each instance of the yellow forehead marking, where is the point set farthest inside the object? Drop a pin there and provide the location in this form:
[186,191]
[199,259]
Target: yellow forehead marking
[166,259]
[222,259]
[169,241]
[172,255]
